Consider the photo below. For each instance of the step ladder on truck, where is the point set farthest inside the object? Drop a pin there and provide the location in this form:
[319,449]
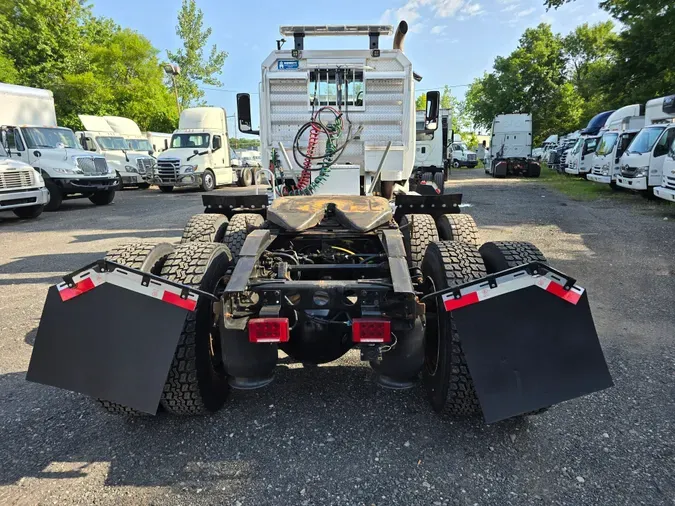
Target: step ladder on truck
[337,255]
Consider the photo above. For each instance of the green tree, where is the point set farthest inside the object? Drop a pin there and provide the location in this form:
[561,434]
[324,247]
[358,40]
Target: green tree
[244,143]
[8,72]
[195,68]
[532,79]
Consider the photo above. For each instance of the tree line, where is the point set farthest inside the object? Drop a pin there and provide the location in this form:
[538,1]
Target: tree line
[94,66]
[563,81]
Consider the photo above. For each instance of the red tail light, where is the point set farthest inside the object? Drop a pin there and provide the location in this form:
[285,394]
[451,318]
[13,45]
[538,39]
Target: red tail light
[371,330]
[268,330]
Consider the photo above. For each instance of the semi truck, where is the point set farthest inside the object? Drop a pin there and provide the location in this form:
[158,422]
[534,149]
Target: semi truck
[22,188]
[28,119]
[511,145]
[620,129]
[642,163]
[100,136]
[326,266]
[198,154]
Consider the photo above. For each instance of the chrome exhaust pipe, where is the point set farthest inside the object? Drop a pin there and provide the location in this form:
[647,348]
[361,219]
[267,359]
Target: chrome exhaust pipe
[399,36]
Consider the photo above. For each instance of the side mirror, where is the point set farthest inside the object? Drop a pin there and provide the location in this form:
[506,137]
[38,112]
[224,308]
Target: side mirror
[151,152]
[37,154]
[217,143]
[83,141]
[431,114]
[3,137]
[244,114]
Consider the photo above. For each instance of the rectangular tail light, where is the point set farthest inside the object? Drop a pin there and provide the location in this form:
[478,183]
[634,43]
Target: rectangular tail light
[268,330]
[371,330]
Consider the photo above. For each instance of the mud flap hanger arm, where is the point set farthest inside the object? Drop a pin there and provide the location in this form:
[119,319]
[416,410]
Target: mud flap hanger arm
[533,269]
[102,266]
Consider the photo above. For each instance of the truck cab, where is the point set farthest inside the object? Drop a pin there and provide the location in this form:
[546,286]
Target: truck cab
[133,168]
[22,188]
[580,158]
[28,118]
[431,148]
[607,159]
[462,156]
[666,190]
[642,163]
[198,154]
[542,152]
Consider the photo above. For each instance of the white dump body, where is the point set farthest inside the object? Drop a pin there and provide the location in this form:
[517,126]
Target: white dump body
[21,105]
[511,136]
[381,101]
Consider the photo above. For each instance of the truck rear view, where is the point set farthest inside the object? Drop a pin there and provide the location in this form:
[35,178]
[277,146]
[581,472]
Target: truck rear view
[511,147]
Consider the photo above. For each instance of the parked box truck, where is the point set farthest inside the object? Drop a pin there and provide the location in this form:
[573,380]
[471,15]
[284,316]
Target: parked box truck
[28,118]
[642,163]
[199,154]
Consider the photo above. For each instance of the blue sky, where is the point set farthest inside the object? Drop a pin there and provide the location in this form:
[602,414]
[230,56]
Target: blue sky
[451,41]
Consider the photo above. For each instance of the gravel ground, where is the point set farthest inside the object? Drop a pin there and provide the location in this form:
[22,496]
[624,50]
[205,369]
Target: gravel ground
[330,435]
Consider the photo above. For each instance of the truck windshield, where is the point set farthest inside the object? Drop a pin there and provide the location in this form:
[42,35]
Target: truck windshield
[645,140]
[624,142]
[607,144]
[45,137]
[190,140]
[139,144]
[112,143]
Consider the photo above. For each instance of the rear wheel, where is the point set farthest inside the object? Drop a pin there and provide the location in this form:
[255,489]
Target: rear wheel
[166,189]
[146,257]
[499,256]
[29,213]
[427,176]
[239,227]
[418,231]
[439,179]
[245,177]
[205,228]
[445,375]
[103,198]
[197,381]
[458,227]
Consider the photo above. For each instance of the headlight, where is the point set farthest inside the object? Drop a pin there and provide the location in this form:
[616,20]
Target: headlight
[642,171]
[39,177]
[189,169]
[68,171]
[605,170]
[130,168]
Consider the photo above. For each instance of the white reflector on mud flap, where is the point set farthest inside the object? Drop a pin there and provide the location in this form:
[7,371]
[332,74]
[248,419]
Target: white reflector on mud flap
[529,342]
[91,278]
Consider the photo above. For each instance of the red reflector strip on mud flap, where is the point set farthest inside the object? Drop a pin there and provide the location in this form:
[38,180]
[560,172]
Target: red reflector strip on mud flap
[89,279]
[510,283]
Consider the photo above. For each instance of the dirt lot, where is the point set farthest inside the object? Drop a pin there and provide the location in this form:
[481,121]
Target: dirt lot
[330,435]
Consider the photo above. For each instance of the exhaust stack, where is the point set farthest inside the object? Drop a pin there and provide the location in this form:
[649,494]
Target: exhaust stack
[399,36]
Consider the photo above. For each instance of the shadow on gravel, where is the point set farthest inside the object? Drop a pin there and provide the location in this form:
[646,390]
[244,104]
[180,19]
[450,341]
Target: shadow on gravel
[129,235]
[327,416]
[51,280]
[53,262]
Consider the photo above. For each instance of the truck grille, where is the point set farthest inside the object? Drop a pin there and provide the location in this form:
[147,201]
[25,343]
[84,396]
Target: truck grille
[168,169]
[16,179]
[670,182]
[627,171]
[597,170]
[563,159]
[145,165]
[92,166]
[470,158]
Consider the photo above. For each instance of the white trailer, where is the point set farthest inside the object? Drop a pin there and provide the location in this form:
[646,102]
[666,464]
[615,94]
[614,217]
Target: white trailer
[642,163]
[199,153]
[511,147]
[28,119]
[100,136]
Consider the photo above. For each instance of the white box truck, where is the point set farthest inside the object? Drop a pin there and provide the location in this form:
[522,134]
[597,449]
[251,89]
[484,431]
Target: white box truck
[642,163]
[511,147]
[28,118]
[620,129]
[22,188]
[199,154]
[132,168]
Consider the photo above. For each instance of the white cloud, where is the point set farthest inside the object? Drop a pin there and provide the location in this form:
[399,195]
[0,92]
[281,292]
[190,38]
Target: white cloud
[438,29]
[472,9]
[506,2]
[524,13]
[510,7]
[411,10]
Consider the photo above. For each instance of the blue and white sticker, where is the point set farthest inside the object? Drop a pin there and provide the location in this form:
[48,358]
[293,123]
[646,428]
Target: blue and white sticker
[288,64]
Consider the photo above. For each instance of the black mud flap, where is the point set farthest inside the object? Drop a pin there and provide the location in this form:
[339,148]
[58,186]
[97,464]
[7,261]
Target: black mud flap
[529,340]
[111,333]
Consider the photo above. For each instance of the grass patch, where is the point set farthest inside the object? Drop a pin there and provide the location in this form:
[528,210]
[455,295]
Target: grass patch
[576,187]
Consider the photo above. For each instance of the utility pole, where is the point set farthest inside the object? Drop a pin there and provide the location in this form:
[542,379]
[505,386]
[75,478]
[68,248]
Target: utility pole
[173,70]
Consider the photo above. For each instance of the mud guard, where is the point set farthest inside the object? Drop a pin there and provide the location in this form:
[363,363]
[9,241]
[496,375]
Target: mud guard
[111,332]
[529,340]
